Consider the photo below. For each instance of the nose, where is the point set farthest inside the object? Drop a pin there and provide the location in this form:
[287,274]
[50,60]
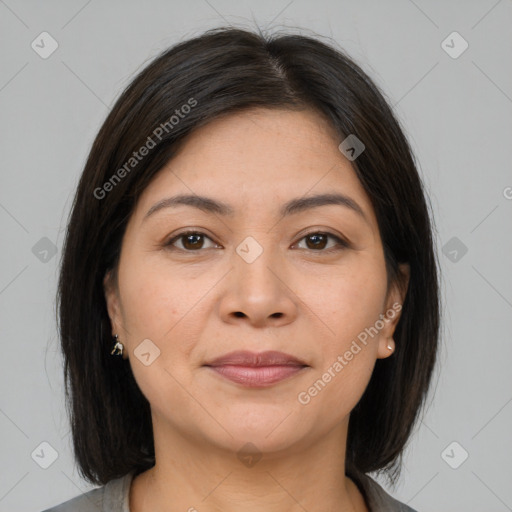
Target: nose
[258,293]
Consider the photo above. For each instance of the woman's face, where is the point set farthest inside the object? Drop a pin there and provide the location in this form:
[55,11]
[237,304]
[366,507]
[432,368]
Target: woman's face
[257,279]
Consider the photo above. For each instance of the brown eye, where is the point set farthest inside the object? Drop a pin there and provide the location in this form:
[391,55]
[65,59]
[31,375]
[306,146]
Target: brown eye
[190,241]
[318,241]
[193,241]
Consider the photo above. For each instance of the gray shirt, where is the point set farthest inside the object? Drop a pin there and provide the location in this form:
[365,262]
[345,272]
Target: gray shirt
[114,497]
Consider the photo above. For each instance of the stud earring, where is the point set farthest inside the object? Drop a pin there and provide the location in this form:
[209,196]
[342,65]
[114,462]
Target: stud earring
[390,347]
[118,347]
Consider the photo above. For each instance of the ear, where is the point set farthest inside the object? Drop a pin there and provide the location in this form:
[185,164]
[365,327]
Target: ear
[113,303]
[393,311]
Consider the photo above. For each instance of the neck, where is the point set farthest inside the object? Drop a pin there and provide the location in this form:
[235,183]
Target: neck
[196,476]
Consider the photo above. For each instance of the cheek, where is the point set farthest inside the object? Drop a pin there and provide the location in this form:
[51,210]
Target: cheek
[347,301]
[165,305]
[153,298]
[157,305]
[349,305]
[350,302]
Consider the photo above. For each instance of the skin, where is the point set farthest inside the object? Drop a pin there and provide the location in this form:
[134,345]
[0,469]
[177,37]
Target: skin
[202,300]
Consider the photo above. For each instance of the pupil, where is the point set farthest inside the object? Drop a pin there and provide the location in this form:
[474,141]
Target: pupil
[188,239]
[313,237]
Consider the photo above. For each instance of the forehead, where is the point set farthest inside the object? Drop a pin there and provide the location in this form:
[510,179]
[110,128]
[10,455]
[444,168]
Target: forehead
[258,159]
[271,136]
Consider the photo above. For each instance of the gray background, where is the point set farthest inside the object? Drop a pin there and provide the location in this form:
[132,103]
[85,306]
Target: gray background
[457,114]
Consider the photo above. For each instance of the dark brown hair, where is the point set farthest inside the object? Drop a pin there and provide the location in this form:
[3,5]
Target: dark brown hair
[228,70]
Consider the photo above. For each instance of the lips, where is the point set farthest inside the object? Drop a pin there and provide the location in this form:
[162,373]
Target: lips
[253,359]
[256,370]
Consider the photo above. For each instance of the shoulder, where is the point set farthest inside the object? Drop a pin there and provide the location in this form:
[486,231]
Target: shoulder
[91,501]
[378,500]
[111,497]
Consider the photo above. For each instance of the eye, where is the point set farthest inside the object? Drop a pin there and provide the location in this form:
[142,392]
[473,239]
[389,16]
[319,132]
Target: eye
[191,240]
[317,241]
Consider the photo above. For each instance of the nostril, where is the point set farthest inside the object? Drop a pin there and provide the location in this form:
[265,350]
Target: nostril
[239,314]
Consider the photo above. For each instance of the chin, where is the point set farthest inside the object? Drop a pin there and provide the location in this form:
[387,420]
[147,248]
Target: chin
[269,430]
[256,444]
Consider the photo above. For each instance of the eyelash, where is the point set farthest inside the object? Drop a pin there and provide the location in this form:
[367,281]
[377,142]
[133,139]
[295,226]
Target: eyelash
[340,243]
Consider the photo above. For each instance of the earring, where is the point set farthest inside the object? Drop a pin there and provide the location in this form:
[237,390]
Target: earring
[118,347]
[390,347]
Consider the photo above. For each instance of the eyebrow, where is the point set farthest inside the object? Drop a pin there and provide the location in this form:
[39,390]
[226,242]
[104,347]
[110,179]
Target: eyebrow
[293,206]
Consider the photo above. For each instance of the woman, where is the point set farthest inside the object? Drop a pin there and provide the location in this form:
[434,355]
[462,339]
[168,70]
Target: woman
[248,302]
